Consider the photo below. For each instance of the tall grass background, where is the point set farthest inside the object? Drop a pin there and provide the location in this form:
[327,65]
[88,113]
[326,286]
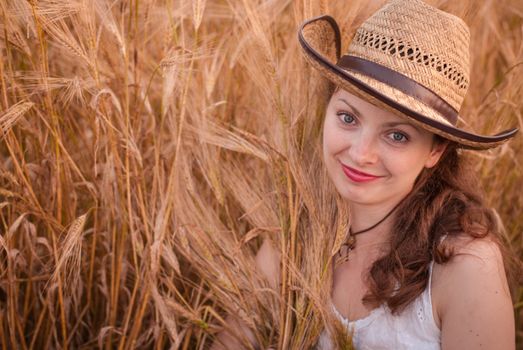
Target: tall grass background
[149,146]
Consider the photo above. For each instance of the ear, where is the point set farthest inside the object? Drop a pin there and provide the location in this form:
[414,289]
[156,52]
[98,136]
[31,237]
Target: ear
[435,153]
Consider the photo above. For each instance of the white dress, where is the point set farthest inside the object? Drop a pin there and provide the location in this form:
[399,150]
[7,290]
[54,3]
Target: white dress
[414,328]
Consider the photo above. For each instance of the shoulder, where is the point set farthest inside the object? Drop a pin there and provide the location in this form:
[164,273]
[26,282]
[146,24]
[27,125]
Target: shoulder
[475,269]
[471,295]
[476,263]
[471,253]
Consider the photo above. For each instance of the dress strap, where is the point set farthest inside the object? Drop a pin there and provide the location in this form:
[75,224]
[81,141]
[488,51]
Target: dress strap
[431,267]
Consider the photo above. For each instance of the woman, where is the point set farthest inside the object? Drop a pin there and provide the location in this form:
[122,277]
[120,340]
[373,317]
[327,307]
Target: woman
[422,267]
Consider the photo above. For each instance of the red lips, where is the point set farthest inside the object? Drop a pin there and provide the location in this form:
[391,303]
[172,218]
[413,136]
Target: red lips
[358,176]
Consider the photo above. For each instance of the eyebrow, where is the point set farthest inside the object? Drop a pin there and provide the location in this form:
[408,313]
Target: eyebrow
[351,107]
[393,124]
[399,123]
[390,124]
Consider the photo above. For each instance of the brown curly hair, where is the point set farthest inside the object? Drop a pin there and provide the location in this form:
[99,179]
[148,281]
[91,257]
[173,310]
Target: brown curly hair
[445,200]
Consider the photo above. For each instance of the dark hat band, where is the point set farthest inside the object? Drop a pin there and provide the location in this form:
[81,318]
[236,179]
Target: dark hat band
[400,82]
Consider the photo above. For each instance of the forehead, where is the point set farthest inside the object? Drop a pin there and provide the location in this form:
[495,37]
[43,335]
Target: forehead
[364,108]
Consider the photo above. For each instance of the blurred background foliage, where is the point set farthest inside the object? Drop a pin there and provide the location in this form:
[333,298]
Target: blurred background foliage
[149,145]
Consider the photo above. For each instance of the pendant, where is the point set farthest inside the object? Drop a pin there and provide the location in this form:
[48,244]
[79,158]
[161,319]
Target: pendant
[351,242]
[344,252]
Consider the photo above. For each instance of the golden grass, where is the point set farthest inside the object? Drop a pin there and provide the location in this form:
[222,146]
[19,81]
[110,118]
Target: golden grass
[148,146]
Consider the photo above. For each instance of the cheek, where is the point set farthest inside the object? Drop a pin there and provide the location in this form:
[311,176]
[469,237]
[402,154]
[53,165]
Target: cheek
[334,140]
[327,138]
[406,166]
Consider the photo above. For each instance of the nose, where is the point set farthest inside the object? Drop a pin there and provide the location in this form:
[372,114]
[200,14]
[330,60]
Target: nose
[363,149]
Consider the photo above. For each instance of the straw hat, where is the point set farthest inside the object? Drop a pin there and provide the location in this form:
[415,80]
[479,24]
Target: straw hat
[409,58]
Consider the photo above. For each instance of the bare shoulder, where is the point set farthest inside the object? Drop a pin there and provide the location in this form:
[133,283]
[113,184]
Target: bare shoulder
[268,262]
[471,297]
[483,248]
[477,263]
[473,256]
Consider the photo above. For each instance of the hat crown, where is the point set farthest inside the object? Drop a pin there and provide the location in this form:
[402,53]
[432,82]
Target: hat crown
[409,58]
[421,42]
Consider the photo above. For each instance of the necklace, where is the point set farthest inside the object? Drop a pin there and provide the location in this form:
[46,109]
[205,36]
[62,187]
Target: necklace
[350,243]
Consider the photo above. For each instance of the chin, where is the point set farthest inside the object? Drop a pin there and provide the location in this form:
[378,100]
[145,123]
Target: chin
[369,194]
[356,194]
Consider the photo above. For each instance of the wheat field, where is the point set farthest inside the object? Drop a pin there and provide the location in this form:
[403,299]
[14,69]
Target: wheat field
[149,146]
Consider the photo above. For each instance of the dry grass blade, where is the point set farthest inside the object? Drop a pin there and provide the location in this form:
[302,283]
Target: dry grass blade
[198,6]
[12,115]
[60,32]
[190,132]
[68,265]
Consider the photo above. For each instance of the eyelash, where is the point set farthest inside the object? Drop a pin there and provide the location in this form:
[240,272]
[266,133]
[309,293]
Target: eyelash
[342,120]
[405,138]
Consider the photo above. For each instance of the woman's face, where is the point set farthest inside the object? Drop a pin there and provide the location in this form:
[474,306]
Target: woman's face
[372,155]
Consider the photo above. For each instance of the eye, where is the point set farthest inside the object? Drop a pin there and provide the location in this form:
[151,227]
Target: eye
[346,118]
[398,137]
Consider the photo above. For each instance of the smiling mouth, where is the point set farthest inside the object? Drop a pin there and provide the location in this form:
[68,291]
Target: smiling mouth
[358,176]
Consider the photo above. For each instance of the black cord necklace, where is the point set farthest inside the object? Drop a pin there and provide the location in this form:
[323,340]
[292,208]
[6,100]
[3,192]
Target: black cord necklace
[350,243]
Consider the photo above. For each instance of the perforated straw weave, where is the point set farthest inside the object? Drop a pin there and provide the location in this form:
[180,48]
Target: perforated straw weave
[422,42]
[409,58]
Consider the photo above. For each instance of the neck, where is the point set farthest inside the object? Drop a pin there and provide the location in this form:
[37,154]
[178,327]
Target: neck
[365,216]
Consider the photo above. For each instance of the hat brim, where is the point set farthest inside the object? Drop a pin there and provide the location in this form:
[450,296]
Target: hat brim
[320,39]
